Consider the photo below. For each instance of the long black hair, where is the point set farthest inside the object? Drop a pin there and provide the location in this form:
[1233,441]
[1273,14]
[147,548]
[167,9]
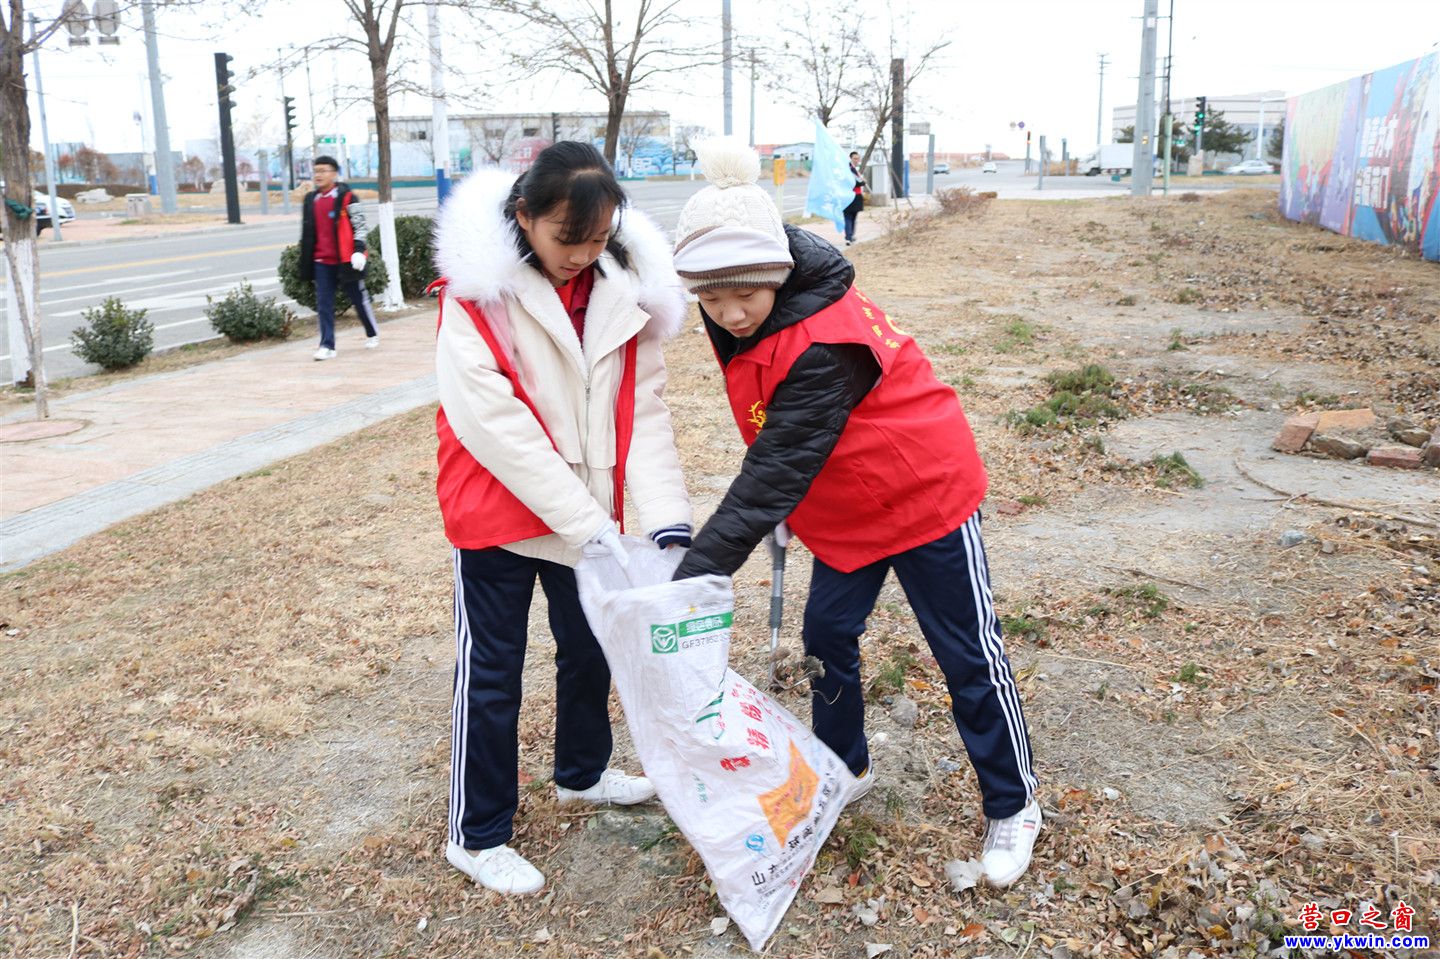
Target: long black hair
[574,174]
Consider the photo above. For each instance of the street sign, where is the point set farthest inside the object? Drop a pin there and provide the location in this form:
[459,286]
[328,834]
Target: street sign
[107,21]
[1021,124]
[919,129]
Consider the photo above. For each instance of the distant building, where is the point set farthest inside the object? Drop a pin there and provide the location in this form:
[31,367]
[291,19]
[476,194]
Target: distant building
[1241,110]
[513,140]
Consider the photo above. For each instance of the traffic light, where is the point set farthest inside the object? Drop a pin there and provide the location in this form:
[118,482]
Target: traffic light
[224,90]
[223,77]
[290,123]
[1199,114]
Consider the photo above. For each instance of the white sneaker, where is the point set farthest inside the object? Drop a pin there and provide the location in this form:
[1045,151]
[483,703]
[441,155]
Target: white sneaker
[614,788]
[499,868]
[1008,844]
[863,784]
[372,341]
[324,353]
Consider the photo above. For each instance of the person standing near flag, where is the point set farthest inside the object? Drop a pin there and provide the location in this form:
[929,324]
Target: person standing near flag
[856,205]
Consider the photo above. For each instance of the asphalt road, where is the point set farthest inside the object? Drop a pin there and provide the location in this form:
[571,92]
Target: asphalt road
[171,276]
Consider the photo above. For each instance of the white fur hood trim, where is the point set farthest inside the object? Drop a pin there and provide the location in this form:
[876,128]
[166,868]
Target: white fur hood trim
[475,249]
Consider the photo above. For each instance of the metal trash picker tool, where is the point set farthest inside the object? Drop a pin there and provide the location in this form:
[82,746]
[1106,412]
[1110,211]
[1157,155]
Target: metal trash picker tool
[776,542]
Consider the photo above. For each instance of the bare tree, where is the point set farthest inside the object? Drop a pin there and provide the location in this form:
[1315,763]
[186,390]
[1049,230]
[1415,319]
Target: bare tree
[686,136]
[634,131]
[195,170]
[496,138]
[94,166]
[615,55]
[22,255]
[820,63]
[875,92]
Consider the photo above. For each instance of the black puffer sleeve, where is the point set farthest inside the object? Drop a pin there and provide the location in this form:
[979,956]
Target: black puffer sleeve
[803,423]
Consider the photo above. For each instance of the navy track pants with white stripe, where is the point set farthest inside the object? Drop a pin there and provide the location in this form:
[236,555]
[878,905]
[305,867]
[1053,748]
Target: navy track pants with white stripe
[948,584]
[493,589]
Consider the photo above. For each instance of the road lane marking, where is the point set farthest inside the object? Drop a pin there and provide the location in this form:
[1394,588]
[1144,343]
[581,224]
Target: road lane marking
[172,301]
[190,274]
[163,260]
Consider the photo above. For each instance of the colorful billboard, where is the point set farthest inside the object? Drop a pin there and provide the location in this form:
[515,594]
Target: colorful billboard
[1362,157]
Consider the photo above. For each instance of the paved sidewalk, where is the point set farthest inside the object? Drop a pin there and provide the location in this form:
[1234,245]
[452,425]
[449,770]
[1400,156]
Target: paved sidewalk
[155,440]
[135,446]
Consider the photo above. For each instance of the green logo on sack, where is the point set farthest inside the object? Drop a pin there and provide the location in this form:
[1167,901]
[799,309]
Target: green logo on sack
[663,640]
[688,632]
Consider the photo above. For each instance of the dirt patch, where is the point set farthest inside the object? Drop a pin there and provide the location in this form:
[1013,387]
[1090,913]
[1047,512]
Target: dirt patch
[225,724]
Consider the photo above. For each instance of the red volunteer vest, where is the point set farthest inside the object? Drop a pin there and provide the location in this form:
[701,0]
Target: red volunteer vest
[905,471]
[479,511]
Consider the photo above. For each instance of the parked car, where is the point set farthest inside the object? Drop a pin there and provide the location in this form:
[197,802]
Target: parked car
[1249,168]
[40,203]
[942,168]
[41,206]
[990,167]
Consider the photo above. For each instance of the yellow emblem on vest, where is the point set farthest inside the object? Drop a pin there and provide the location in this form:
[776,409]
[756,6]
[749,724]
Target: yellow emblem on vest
[757,415]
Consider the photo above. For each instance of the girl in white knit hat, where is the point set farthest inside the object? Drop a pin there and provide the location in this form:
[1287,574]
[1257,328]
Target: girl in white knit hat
[869,459]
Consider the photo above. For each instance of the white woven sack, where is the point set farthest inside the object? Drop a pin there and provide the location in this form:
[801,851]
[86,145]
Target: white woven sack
[747,783]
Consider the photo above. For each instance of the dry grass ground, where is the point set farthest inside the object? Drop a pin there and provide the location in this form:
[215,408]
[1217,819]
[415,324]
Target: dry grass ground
[224,725]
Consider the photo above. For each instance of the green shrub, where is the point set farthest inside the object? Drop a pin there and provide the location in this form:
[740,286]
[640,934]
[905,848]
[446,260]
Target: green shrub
[303,291]
[412,241]
[1174,470]
[242,316]
[1093,378]
[114,336]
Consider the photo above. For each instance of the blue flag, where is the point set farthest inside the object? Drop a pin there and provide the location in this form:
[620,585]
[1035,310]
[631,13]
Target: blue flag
[832,188]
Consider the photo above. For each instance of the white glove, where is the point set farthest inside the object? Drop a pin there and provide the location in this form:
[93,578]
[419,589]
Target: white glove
[782,535]
[357,260]
[608,538]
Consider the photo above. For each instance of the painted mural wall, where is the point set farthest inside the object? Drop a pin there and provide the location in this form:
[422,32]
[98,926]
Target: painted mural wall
[1362,157]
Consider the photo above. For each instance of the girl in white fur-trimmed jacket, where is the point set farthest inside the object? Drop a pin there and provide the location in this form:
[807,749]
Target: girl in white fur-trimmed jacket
[556,302]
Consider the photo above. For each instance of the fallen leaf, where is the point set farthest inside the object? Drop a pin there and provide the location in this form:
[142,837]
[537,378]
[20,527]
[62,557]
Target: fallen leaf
[921,915]
[972,930]
[830,895]
[873,949]
[964,873]
[718,925]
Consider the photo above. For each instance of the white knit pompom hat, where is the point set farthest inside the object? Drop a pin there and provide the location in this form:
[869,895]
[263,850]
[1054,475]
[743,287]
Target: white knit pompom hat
[730,234]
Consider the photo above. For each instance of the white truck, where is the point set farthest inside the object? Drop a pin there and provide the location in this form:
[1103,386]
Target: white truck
[1109,158]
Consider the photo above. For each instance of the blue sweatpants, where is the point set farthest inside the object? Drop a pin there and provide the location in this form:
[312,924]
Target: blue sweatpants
[948,584]
[493,589]
[327,278]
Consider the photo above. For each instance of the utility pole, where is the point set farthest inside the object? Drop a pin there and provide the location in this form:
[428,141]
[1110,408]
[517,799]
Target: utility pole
[310,91]
[1167,129]
[897,128]
[1100,107]
[49,175]
[164,166]
[725,27]
[439,122]
[751,52]
[1142,169]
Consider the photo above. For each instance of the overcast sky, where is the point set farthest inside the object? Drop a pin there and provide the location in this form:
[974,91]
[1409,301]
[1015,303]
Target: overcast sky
[1034,61]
